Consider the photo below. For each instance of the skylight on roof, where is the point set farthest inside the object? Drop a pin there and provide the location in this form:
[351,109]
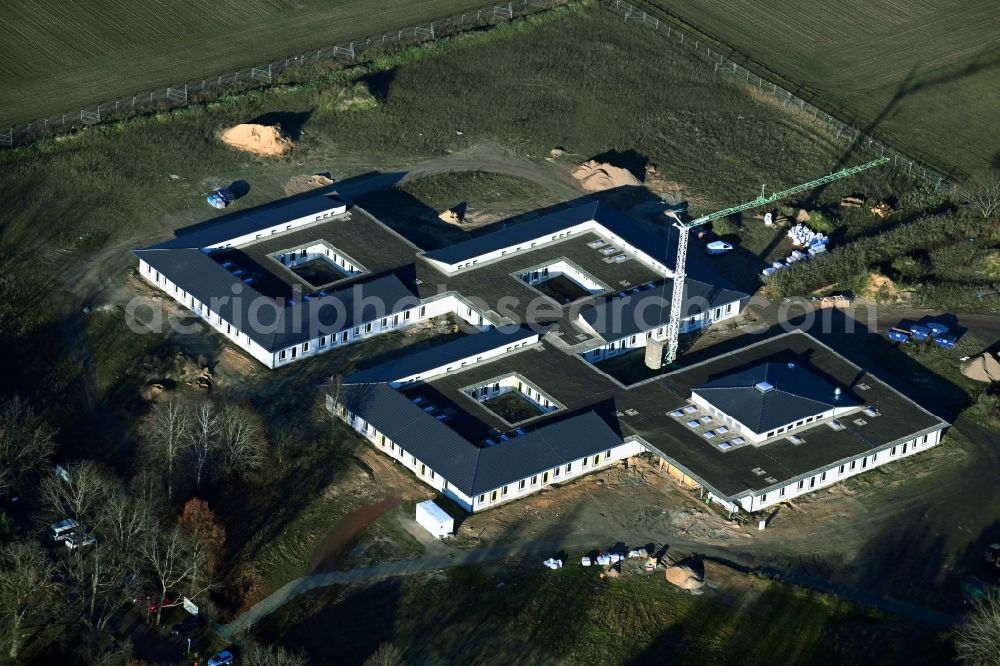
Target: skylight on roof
[764,387]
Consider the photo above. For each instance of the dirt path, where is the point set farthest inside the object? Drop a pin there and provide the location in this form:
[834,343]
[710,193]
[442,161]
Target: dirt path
[545,547]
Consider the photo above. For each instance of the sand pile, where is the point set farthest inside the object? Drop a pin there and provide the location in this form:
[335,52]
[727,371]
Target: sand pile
[684,577]
[451,217]
[880,287]
[300,184]
[983,368]
[256,139]
[595,176]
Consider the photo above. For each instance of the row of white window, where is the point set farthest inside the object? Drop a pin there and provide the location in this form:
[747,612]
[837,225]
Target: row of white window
[850,467]
[344,337]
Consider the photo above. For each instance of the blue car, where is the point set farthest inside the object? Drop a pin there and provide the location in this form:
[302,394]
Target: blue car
[221,659]
[221,198]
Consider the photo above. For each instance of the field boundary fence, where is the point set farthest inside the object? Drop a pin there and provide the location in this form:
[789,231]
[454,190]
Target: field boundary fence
[355,52]
[718,55]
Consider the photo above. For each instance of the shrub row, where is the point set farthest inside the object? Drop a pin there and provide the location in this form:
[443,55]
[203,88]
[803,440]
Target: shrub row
[865,254]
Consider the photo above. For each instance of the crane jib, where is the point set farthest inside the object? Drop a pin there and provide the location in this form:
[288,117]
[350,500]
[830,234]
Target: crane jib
[677,293]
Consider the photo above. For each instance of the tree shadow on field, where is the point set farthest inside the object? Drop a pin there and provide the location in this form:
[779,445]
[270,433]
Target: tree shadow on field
[339,625]
[908,86]
[290,122]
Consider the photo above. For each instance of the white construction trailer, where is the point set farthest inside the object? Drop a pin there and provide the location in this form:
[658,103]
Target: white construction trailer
[435,520]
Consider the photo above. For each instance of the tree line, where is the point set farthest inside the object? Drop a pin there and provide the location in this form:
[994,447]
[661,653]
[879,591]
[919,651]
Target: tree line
[154,538]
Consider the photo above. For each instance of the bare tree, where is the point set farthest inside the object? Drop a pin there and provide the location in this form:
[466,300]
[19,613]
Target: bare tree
[203,438]
[243,440]
[27,584]
[978,640]
[25,443]
[174,559]
[166,432]
[114,567]
[386,654]
[96,573]
[983,194]
[258,654]
[82,496]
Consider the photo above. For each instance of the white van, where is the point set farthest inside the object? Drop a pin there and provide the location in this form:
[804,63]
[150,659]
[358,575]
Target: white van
[59,531]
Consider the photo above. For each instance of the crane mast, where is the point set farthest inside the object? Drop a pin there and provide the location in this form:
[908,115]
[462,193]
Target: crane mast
[684,228]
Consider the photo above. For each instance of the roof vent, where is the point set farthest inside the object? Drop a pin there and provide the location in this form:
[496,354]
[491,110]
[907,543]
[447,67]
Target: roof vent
[763,387]
[791,366]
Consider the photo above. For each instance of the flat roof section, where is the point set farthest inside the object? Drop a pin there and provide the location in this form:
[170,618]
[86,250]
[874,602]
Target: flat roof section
[356,233]
[738,471]
[626,228]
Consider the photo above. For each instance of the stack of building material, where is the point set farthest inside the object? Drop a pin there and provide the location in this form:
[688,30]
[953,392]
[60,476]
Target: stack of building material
[803,236]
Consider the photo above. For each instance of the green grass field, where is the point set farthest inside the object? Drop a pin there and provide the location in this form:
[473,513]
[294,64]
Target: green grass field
[924,74]
[58,56]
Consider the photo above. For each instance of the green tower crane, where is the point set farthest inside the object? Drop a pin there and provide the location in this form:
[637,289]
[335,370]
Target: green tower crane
[684,231]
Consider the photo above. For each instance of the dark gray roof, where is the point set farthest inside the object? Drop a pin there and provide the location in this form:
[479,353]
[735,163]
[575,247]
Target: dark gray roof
[245,222]
[419,433]
[626,228]
[474,468]
[441,355]
[772,395]
[553,444]
[617,317]
[267,322]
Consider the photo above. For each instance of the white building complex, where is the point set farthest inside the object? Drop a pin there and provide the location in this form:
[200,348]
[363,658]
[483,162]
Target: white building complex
[522,401]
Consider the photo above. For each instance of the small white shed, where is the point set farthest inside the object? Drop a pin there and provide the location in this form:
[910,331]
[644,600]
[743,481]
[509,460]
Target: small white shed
[434,519]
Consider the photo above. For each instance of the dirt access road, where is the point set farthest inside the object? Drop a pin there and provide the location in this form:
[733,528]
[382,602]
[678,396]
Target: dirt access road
[629,503]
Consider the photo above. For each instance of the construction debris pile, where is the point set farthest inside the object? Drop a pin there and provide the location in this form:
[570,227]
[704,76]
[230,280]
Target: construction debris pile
[814,242]
[300,184]
[685,574]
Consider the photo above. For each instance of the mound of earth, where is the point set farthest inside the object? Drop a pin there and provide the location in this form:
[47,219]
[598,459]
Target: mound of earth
[880,287]
[451,217]
[300,184]
[256,139]
[983,368]
[685,577]
[595,176]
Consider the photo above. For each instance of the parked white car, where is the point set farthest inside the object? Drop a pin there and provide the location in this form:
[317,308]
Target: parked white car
[81,540]
[63,529]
